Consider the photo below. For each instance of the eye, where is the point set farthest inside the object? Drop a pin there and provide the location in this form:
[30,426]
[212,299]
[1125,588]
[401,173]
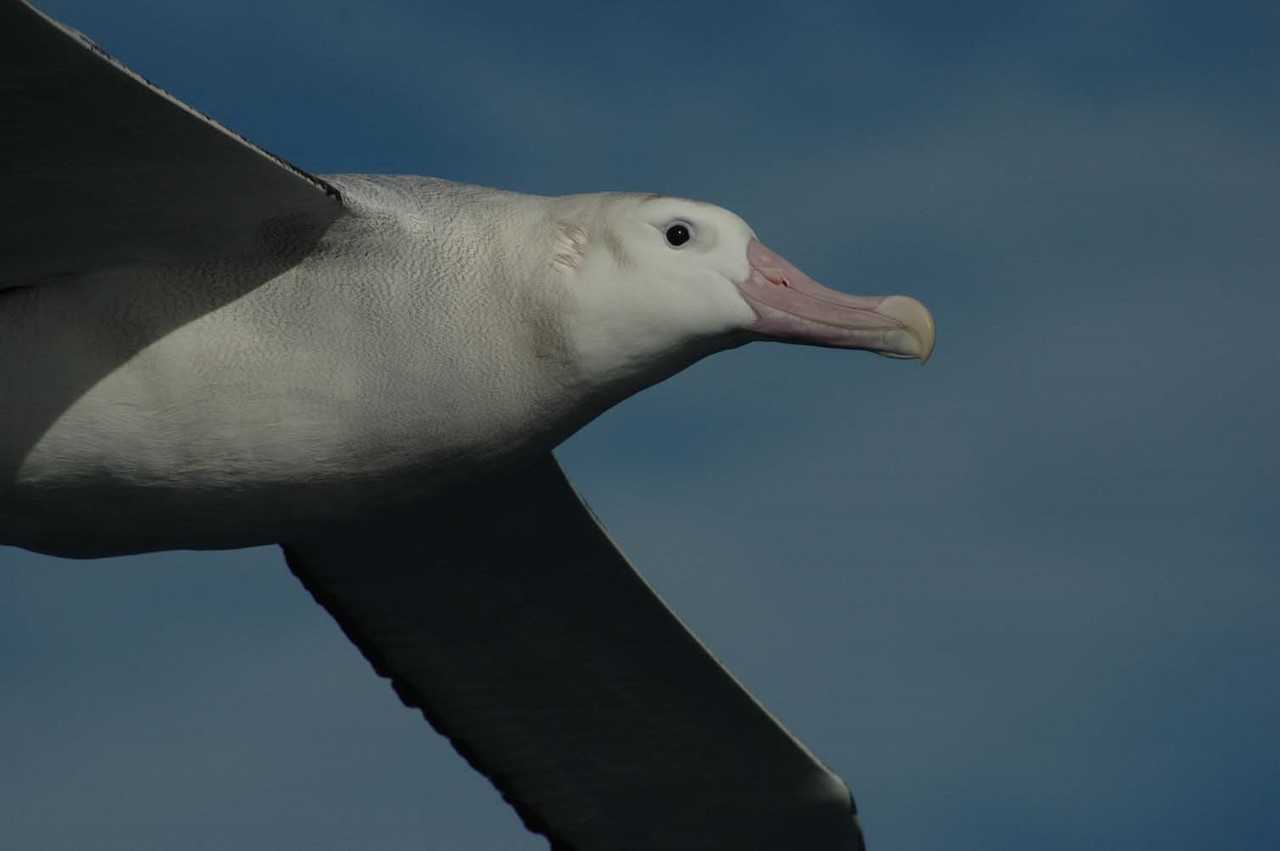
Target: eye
[678,234]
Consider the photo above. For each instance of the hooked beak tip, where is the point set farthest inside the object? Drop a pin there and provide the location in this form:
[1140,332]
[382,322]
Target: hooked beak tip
[916,321]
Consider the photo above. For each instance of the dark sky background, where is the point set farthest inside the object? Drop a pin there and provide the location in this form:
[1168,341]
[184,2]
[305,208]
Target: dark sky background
[1027,597]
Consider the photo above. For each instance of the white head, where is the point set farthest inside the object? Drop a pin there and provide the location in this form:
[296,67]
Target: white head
[654,283]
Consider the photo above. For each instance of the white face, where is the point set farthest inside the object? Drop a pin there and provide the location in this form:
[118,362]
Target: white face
[654,283]
[654,280]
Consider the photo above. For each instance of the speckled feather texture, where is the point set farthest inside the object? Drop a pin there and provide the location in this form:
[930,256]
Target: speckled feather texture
[202,346]
[234,353]
[318,369]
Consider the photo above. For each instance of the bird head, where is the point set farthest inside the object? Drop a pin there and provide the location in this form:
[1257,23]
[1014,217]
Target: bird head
[656,282]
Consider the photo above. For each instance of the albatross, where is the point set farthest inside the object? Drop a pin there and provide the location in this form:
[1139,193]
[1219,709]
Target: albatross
[203,346]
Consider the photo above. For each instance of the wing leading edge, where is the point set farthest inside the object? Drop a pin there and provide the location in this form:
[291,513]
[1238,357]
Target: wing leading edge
[504,613]
[509,618]
[100,168]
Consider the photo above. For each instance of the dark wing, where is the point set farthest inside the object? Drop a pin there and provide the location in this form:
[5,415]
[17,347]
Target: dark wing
[509,618]
[99,168]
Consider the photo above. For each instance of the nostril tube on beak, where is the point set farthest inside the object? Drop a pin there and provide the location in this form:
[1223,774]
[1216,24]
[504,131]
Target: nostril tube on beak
[791,306]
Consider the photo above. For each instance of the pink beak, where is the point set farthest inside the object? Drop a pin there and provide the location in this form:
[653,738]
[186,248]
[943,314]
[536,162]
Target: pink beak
[795,308]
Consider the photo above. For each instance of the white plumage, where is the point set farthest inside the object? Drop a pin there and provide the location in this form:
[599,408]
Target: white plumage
[204,347]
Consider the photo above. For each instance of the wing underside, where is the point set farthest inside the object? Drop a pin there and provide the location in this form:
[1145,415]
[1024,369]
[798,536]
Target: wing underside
[509,618]
[100,168]
[504,613]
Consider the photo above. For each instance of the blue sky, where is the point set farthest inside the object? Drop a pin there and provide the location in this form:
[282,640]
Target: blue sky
[1025,597]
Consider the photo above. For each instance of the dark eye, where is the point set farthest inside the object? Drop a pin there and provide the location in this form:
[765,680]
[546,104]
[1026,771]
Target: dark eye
[678,234]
